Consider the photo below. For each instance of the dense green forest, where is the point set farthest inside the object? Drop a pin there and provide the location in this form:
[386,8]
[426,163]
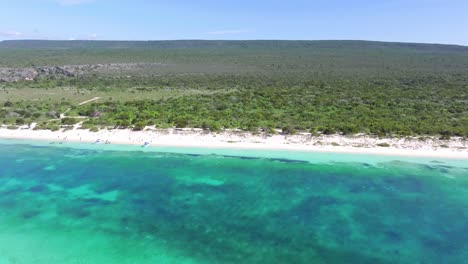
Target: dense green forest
[326,87]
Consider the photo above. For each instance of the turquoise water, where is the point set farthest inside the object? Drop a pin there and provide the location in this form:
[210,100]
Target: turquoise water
[108,204]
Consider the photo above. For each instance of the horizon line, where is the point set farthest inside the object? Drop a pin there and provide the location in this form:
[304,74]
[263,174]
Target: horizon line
[236,40]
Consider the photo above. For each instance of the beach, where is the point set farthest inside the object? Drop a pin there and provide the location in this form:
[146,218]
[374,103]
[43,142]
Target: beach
[189,137]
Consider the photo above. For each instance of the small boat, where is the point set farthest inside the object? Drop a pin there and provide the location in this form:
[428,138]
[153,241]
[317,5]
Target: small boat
[146,144]
[97,141]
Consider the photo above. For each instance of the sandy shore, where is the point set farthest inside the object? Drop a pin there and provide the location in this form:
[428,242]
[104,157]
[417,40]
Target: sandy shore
[429,147]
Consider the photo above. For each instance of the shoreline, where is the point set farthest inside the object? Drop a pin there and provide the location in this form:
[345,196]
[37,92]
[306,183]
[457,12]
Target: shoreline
[455,148]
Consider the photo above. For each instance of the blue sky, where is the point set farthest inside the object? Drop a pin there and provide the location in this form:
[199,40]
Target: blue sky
[428,21]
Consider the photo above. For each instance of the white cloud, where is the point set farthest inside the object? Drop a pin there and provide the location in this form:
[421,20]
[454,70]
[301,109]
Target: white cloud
[10,34]
[73,2]
[229,32]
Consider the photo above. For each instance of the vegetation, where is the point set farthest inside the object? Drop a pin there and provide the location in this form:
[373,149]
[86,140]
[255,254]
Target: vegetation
[324,87]
[384,145]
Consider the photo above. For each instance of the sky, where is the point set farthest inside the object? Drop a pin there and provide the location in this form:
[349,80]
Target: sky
[422,21]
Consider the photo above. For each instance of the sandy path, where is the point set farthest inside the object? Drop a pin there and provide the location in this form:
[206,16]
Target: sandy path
[63,115]
[90,100]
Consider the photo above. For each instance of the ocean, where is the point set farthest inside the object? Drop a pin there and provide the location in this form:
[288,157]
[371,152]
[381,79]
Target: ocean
[80,204]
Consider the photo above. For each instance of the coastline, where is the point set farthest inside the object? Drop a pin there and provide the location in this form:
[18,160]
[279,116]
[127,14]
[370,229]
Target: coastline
[455,148]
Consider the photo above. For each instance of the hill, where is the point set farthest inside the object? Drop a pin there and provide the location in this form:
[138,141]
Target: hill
[299,56]
[325,86]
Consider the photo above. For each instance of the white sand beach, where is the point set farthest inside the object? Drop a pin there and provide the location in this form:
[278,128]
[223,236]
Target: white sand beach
[427,147]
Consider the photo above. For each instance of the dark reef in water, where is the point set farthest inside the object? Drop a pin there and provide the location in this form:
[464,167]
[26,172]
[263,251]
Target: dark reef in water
[229,209]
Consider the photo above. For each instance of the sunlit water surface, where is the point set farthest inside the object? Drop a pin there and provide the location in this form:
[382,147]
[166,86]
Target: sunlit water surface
[73,205]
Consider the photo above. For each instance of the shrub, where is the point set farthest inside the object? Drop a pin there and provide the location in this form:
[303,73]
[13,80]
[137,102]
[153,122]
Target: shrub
[215,127]
[252,128]
[20,121]
[205,125]
[313,132]
[270,131]
[53,114]
[124,123]
[445,137]
[139,126]
[53,127]
[287,130]
[329,131]
[181,123]
[385,145]
[69,121]
[349,129]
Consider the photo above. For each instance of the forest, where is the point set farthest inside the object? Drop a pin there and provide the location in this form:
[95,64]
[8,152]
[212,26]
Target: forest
[346,87]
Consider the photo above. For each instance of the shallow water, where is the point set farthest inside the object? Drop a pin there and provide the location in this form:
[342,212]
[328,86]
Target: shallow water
[72,205]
